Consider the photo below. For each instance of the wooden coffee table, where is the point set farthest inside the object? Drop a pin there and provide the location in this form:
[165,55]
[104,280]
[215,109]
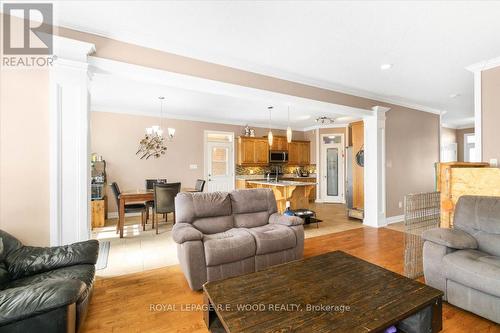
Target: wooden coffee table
[312,295]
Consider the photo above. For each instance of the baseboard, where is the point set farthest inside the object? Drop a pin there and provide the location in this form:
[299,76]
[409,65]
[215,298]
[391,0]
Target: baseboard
[394,219]
[114,215]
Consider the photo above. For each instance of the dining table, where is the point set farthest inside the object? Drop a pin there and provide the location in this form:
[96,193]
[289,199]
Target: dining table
[135,196]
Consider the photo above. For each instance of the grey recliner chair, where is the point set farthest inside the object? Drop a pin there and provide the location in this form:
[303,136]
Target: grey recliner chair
[45,289]
[220,234]
[464,262]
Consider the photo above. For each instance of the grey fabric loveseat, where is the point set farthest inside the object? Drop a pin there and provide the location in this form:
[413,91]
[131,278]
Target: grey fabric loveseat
[45,289]
[464,262]
[220,234]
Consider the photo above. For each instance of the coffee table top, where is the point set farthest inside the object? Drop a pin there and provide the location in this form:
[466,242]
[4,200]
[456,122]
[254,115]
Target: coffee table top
[312,295]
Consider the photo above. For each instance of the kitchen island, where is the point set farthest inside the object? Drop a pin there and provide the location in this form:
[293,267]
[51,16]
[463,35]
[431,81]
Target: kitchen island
[297,193]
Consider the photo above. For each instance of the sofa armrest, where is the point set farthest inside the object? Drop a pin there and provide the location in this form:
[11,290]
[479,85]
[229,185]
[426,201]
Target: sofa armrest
[28,301]
[285,219]
[185,232]
[451,238]
[29,260]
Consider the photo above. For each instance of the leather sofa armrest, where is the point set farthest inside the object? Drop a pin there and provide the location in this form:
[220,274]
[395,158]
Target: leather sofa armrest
[19,303]
[184,232]
[277,218]
[29,260]
[451,238]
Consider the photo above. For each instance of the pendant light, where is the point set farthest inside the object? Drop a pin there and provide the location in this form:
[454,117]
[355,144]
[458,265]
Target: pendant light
[270,134]
[289,129]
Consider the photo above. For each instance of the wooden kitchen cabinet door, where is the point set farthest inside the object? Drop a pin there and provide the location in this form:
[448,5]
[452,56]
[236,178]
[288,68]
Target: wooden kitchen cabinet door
[246,151]
[293,153]
[305,151]
[261,149]
[253,151]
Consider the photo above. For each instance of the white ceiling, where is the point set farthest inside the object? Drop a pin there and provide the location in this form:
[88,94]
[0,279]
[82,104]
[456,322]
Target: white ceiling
[335,44]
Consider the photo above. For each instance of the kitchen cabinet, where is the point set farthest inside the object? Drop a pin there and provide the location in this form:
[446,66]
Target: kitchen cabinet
[253,151]
[279,143]
[299,153]
[98,216]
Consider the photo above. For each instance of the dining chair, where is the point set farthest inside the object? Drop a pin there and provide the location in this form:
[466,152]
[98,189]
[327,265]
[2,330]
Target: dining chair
[150,186]
[199,186]
[164,202]
[129,208]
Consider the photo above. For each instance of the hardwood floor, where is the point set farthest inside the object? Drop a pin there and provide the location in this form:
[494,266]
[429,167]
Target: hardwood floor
[122,304]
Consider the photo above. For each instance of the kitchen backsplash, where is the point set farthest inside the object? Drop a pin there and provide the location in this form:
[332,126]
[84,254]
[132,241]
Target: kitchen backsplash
[245,170]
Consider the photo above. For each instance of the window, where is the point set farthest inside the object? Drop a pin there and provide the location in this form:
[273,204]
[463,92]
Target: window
[469,147]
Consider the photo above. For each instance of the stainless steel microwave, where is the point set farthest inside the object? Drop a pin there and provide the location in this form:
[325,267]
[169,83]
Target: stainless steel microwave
[278,156]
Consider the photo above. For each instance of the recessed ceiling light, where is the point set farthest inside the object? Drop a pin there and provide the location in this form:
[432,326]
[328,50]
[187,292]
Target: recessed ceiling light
[385,67]
[454,95]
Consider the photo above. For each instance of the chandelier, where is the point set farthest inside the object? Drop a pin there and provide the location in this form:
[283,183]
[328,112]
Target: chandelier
[324,120]
[153,143]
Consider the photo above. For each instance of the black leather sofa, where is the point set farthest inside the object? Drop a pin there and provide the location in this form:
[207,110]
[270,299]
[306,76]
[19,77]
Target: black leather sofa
[45,289]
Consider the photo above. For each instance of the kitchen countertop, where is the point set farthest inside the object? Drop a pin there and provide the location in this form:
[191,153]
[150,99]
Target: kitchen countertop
[280,183]
[260,177]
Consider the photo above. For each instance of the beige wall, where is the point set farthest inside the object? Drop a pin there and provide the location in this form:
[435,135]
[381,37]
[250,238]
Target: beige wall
[491,113]
[448,135]
[412,148]
[116,137]
[24,154]
[460,142]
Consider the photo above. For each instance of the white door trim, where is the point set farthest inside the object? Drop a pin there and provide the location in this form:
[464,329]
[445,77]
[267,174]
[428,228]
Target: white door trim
[467,157]
[231,158]
[322,163]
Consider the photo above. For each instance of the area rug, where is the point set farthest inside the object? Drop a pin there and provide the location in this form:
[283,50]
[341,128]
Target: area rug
[102,258]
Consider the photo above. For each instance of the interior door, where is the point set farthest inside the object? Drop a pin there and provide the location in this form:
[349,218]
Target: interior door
[332,175]
[220,166]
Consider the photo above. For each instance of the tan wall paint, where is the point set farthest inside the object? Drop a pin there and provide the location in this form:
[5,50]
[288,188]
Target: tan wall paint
[412,148]
[116,136]
[460,142]
[448,135]
[24,154]
[490,87]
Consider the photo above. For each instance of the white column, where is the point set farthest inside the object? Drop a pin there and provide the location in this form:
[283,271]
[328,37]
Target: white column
[69,151]
[478,122]
[374,168]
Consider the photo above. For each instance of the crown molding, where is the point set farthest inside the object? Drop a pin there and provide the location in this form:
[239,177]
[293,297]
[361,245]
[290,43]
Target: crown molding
[484,65]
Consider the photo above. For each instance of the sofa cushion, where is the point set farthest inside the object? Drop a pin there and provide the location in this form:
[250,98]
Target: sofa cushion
[253,200]
[273,238]
[251,220]
[229,246]
[474,269]
[488,242]
[190,206]
[84,273]
[213,225]
[474,213]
